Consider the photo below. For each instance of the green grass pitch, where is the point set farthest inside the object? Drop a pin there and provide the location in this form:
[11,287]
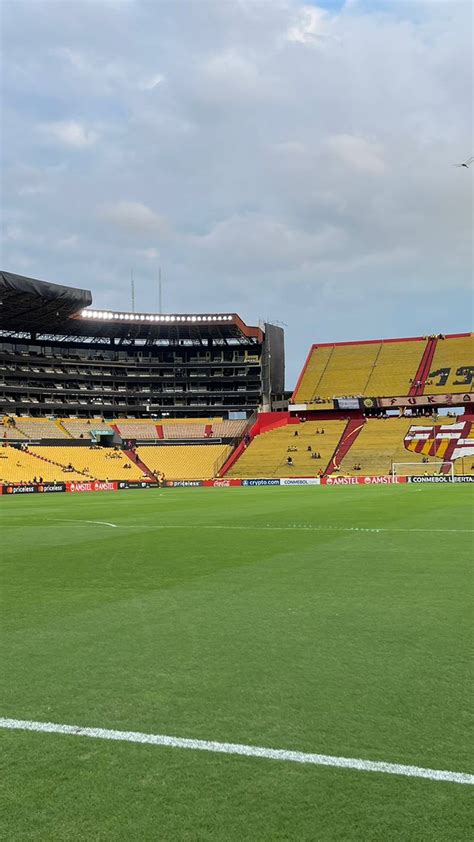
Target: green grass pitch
[329,639]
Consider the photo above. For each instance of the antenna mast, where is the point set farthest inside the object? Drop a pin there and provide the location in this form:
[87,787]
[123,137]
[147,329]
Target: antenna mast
[132,285]
[160,292]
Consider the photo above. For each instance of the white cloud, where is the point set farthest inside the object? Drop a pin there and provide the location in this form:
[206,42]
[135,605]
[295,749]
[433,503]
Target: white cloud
[69,133]
[152,82]
[310,25]
[358,153]
[134,218]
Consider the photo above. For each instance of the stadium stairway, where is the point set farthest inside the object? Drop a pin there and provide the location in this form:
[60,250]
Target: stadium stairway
[135,458]
[349,436]
[64,431]
[424,368]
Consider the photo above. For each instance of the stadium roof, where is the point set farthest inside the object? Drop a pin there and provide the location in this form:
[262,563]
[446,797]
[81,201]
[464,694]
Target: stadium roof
[32,306]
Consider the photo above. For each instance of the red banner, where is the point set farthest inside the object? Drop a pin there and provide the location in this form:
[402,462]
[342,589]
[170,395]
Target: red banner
[221,483]
[369,480]
[91,486]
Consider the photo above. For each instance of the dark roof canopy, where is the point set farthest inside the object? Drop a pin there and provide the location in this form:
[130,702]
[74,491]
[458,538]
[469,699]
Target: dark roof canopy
[31,306]
[27,304]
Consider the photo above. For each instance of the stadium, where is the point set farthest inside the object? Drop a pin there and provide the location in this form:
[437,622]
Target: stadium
[231,611]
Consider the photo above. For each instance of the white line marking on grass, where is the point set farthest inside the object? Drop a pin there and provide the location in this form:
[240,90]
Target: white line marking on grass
[82,522]
[244,750]
[267,527]
[292,527]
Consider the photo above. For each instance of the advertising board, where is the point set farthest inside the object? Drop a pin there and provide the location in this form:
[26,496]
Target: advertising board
[301,481]
[254,482]
[184,483]
[222,483]
[96,485]
[365,480]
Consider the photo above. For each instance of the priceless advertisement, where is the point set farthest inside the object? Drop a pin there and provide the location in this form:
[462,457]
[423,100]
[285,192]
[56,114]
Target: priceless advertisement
[96,485]
[368,480]
[39,488]
[184,483]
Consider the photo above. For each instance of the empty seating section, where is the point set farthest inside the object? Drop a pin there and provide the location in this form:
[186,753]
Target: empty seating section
[130,429]
[104,463]
[185,461]
[228,429]
[452,367]
[381,442]
[10,432]
[21,466]
[307,389]
[40,428]
[267,454]
[395,368]
[375,369]
[183,431]
[348,370]
[82,427]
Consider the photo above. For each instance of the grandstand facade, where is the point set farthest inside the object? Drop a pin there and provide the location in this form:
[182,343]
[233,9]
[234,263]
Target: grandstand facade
[60,357]
[105,396]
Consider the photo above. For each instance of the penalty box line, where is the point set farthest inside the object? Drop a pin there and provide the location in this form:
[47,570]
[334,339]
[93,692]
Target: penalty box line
[303,757]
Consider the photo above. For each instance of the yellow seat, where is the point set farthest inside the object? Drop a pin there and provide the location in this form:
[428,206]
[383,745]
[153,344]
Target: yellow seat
[200,461]
[267,454]
[452,367]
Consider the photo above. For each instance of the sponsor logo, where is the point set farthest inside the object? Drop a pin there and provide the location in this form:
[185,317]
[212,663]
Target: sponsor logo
[260,482]
[222,483]
[21,489]
[368,480]
[184,483]
[435,479]
[464,479]
[138,484]
[91,486]
[301,481]
[50,488]
[342,481]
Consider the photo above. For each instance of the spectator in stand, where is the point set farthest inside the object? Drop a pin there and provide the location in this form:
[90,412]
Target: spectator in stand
[289,461]
[295,433]
[309,448]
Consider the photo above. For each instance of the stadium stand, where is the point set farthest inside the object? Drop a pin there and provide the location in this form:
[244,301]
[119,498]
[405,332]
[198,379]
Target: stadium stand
[267,454]
[184,431]
[184,461]
[228,429]
[40,428]
[80,427]
[9,431]
[20,466]
[381,368]
[382,442]
[100,463]
[136,429]
[452,367]
[395,368]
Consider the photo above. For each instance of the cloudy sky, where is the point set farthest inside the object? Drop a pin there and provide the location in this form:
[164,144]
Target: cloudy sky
[285,160]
